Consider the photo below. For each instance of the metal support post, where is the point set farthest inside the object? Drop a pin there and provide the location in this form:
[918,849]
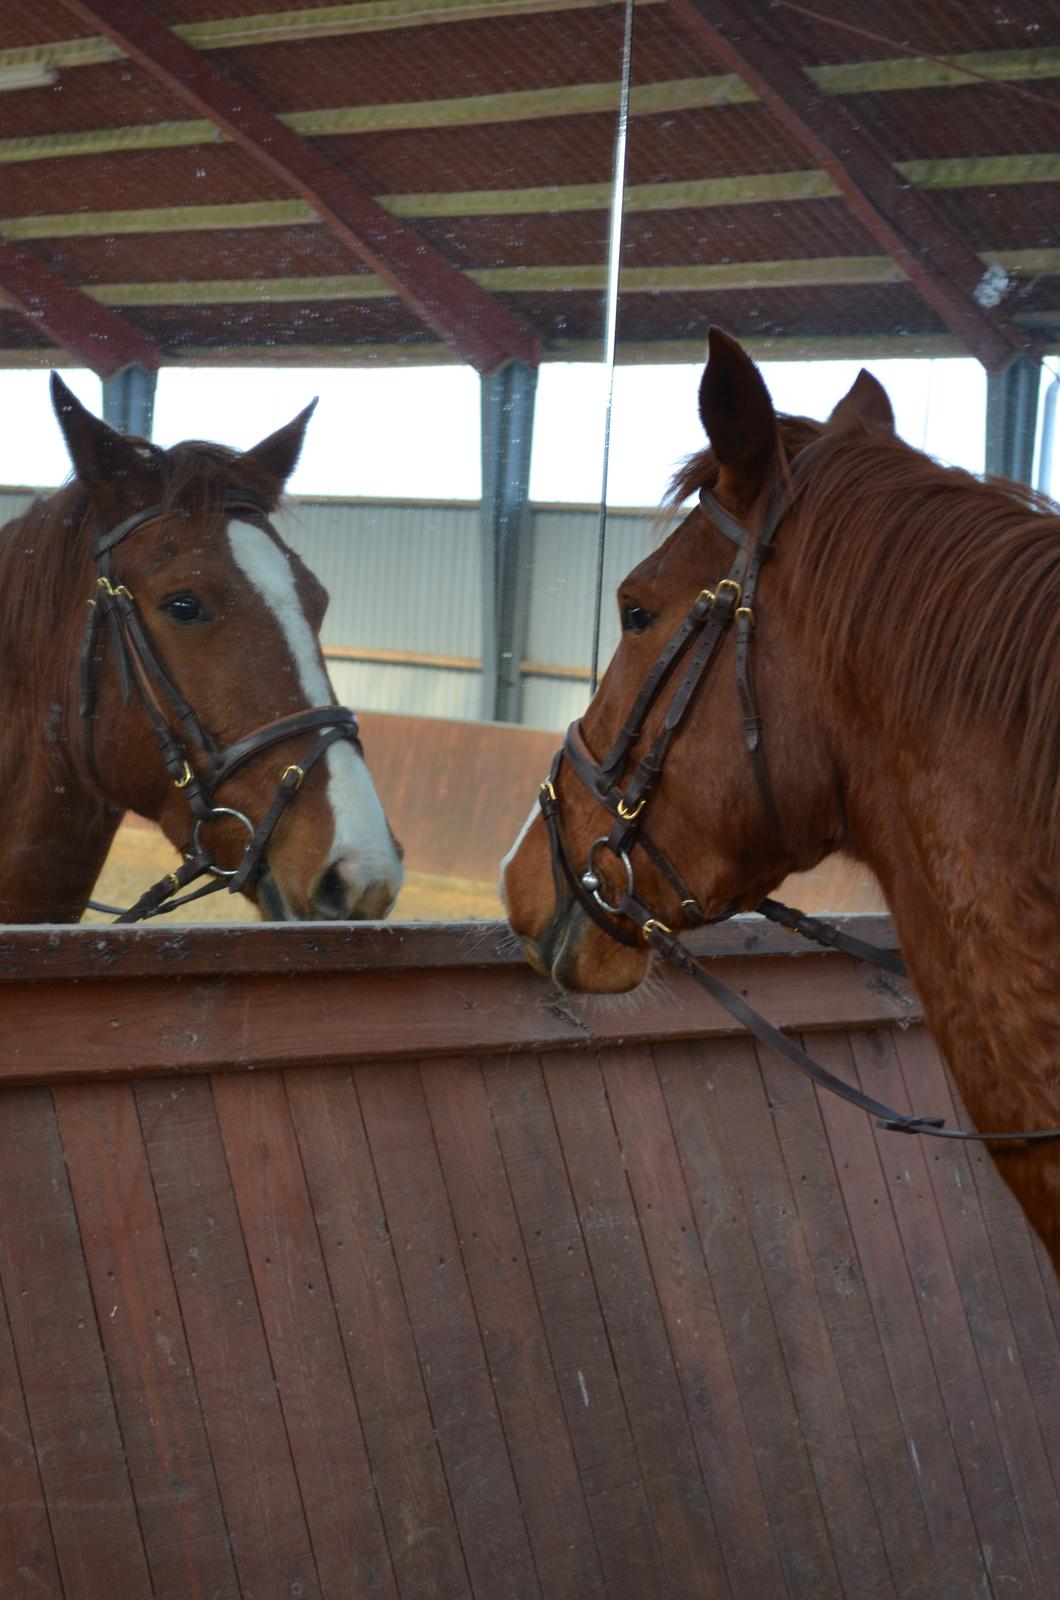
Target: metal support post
[507,543]
[129,401]
[1011,420]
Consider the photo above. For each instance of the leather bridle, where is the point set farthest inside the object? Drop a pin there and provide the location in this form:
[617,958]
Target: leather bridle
[687,658]
[180,733]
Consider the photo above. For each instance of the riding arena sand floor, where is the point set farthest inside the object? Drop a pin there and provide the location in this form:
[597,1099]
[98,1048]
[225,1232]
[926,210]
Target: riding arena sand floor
[141,854]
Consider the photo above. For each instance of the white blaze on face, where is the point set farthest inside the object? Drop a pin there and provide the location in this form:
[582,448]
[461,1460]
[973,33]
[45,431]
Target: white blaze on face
[360,826]
[535,812]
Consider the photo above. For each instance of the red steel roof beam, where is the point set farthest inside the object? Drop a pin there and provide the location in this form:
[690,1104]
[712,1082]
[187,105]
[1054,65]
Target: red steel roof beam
[938,261]
[92,333]
[481,330]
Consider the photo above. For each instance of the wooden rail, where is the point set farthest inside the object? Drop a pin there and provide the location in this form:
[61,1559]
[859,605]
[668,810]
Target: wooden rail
[343,1262]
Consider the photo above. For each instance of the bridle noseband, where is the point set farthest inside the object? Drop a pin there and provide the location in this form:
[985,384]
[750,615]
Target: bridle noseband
[687,657]
[141,670]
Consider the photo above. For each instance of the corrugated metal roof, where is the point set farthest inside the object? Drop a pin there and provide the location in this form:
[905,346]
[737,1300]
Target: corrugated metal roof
[525,102]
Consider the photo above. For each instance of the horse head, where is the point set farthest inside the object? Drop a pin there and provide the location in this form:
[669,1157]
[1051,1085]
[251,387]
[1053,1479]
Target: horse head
[693,785]
[202,679]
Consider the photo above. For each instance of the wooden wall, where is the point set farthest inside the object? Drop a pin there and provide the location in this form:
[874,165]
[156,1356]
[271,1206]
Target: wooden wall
[357,1263]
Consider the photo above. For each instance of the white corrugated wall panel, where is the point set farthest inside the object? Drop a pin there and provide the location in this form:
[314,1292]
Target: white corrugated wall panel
[416,691]
[401,577]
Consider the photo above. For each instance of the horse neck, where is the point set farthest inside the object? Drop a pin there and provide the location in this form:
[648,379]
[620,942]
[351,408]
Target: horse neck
[55,825]
[977,909]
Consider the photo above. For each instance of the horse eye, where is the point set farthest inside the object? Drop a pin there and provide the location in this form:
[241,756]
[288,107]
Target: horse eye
[636,620]
[185,608]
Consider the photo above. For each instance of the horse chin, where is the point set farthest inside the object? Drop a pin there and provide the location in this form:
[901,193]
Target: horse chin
[271,903]
[581,958]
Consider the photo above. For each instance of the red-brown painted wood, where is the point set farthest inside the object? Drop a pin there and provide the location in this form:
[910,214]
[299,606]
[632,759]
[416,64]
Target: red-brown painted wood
[904,1333]
[444,1321]
[305,1346]
[220,1022]
[513,1334]
[143,1339]
[27,1554]
[836,1270]
[63,1374]
[690,1077]
[241,1408]
[694,1325]
[1014,1415]
[380,1348]
[638,1315]
[611,1474]
[856,1537]
[636,1330]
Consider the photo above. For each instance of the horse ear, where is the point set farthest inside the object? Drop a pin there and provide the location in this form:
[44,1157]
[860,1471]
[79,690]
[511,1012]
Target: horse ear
[865,405]
[737,413]
[278,455]
[107,462]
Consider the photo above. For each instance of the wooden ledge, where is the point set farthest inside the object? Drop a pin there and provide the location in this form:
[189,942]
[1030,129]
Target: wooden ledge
[44,953]
[88,1004]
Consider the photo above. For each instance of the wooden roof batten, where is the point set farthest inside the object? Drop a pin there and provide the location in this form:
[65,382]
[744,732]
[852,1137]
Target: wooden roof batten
[482,331]
[93,333]
[943,267]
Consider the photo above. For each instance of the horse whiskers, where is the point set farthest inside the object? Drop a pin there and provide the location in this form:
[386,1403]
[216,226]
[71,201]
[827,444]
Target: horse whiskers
[649,992]
[500,939]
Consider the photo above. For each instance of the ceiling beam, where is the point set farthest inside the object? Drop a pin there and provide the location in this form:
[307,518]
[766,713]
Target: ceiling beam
[693,277]
[944,268]
[94,334]
[479,328]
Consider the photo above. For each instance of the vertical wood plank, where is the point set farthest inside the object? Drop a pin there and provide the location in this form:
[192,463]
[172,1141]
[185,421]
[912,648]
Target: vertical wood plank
[28,1563]
[641,1349]
[699,1339]
[690,1074]
[857,1541]
[64,1377]
[578,1344]
[237,1389]
[470,1437]
[897,1307]
[855,1339]
[374,1323]
[143,1337]
[971,1418]
[1012,1406]
[305,1346]
[1014,1249]
[512,1332]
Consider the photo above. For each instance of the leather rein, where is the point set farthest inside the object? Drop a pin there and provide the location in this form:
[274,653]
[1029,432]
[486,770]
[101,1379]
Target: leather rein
[180,733]
[687,658]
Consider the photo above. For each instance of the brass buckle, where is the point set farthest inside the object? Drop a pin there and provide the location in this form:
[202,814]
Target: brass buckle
[184,779]
[630,816]
[653,925]
[300,771]
[110,591]
[737,589]
[745,611]
[546,788]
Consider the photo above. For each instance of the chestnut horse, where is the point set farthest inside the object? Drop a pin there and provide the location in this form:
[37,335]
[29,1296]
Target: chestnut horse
[903,710]
[204,621]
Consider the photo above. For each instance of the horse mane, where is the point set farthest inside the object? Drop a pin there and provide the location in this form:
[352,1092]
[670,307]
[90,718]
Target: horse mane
[942,585]
[45,552]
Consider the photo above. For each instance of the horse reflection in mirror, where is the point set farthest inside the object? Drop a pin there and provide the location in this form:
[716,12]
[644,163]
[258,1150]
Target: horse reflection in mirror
[228,621]
[906,667]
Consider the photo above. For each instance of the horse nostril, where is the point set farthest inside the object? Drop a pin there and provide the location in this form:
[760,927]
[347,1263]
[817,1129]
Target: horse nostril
[344,892]
[331,896]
